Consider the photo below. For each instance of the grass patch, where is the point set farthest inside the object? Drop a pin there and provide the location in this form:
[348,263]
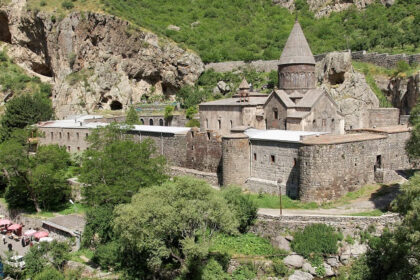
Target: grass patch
[373,213]
[273,201]
[243,245]
[364,192]
[76,256]
[67,209]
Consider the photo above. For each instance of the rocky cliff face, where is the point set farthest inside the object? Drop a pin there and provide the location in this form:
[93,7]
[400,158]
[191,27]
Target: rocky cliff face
[402,92]
[95,61]
[347,87]
[323,8]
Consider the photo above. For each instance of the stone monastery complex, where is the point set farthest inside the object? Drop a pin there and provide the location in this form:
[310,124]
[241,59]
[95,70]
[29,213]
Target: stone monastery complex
[291,141]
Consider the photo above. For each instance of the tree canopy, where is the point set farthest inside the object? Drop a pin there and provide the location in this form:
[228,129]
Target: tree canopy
[116,167]
[173,222]
[37,180]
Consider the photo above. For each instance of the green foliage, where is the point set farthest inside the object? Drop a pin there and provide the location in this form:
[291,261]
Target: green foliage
[279,268]
[169,110]
[214,271]
[395,254]
[273,201]
[132,116]
[318,239]
[249,30]
[190,112]
[193,123]
[45,256]
[35,180]
[68,5]
[349,240]
[190,96]
[402,66]
[98,228]
[244,208]
[318,263]
[49,273]
[108,255]
[174,223]
[244,272]
[245,244]
[413,144]
[115,167]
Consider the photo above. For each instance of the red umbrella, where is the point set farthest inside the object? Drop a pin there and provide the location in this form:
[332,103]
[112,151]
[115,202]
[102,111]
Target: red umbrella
[15,227]
[40,234]
[5,222]
[29,232]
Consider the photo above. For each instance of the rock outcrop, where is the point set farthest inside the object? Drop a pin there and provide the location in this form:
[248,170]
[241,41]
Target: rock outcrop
[402,92]
[96,61]
[323,8]
[347,87]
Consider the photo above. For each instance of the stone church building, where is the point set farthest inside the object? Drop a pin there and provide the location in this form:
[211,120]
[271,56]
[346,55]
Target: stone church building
[296,105]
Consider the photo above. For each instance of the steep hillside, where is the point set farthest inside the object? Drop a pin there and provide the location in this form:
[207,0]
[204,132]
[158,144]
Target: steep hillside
[96,61]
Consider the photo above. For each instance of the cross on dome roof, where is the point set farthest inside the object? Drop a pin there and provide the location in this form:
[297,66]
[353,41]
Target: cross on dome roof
[296,50]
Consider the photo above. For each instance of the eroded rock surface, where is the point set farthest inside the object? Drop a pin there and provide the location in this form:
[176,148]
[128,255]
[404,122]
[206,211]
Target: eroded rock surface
[347,87]
[97,61]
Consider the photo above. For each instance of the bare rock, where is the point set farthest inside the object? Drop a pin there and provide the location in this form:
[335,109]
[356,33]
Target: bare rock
[295,261]
[97,61]
[307,267]
[403,92]
[300,275]
[281,242]
[289,238]
[173,28]
[223,87]
[347,87]
[195,24]
[328,270]
[333,261]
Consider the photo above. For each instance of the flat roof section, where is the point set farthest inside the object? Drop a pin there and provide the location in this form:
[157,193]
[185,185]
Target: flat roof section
[387,129]
[340,139]
[279,135]
[253,101]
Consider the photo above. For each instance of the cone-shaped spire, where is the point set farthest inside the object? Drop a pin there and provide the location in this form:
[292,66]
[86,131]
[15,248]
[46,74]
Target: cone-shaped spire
[244,84]
[297,50]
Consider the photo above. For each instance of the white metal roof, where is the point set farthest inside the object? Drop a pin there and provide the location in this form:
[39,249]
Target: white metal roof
[91,125]
[279,135]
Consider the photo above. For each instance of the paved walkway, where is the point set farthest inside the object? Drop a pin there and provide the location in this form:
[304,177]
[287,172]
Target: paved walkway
[16,247]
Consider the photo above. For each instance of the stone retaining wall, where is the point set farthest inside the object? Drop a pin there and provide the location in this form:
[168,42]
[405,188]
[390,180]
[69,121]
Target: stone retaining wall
[270,226]
[213,179]
[383,60]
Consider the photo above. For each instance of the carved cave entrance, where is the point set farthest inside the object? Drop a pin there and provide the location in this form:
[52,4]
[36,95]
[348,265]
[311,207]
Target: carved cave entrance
[116,105]
[5,35]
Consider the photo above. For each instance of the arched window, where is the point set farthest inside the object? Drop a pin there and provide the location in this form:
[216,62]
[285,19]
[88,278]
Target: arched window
[275,113]
[151,122]
[231,123]
[142,121]
[161,122]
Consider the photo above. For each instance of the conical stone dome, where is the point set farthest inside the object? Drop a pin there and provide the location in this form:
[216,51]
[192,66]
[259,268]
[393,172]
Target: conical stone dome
[297,49]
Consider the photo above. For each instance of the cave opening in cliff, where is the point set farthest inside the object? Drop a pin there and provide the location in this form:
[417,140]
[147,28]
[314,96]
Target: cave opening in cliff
[116,105]
[42,69]
[336,78]
[5,35]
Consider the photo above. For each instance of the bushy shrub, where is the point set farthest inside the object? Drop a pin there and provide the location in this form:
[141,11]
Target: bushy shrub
[244,208]
[67,5]
[214,271]
[193,123]
[107,255]
[279,268]
[49,273]
[315,239]
[244,272]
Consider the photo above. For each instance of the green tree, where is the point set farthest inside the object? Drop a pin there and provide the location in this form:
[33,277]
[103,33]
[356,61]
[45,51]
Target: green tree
[26,110]
[38,179]
[116,167]
[98,229]
[49,273]
[173,222]
[132,116]
[244,208]
[396,253]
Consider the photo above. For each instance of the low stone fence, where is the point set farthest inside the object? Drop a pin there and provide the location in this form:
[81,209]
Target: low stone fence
[272,226]
[211,178]
[380,59]
[18,216]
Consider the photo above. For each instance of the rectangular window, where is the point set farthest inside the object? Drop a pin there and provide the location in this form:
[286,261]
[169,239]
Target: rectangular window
[77,135]
[59,134]
[255,156]
[68,135]
[52,135]
[87,135]
[220,123]
[276,113]
[273,158]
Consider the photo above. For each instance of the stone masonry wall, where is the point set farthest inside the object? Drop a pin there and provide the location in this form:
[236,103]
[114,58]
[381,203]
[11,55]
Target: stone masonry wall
[275,160]
[235,158]
[384,60]
[269,226]
[74,139]
[329,171]
[382,117]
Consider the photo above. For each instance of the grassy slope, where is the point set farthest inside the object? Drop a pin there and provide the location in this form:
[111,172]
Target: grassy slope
[371,71]
[249,29]
[14,79]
